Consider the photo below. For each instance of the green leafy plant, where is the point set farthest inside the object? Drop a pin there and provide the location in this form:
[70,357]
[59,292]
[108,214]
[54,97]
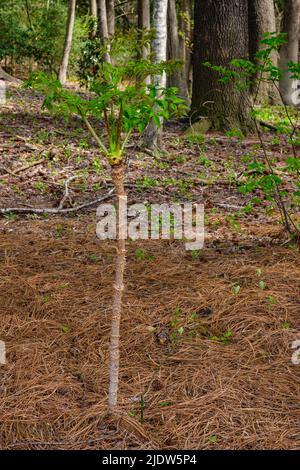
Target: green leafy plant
[262,174]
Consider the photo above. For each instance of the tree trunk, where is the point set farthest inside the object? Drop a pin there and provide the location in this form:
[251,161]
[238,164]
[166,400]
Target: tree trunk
[185,38]
[110,8]
[143,7]
[176,51]
[221,35]
[289,52]
[62,76]
[262,20]
[93,14]
[103,26]
[153,134]
[118,181]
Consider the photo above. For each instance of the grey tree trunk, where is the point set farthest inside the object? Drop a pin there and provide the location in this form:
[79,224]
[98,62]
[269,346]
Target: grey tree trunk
[62,76]
[152,134]
[289,52]
[262,19]
[185,29]
[221,35]
[93,14]
[103,26]
[102,15]
[110,8]
[176,51]
[143,8]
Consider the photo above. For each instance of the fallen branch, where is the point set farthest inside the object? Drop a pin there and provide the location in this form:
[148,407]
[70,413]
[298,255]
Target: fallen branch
[268,126]
[23,168]
[54,210]
[8,78]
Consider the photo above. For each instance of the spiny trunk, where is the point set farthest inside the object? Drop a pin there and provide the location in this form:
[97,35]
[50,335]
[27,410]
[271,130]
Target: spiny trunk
[143,7]
[152,134]
[110,8]
[176,51]
[262,20]
[62,76]
[289,52]
[221,35]
[118,181]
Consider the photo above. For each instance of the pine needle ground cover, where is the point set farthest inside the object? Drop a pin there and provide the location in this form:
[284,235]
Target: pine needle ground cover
[206,357]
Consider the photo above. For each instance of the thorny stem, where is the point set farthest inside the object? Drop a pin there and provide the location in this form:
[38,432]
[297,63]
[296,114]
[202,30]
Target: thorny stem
[118,180]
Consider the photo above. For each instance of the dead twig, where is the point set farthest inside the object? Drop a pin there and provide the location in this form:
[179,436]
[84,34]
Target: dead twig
[23,168]
[66,196]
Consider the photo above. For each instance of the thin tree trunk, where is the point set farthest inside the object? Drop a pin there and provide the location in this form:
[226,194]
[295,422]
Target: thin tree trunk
[221,35]
[102,15]
[262,20]
[289,52]
[93,14]
[144,21]
[118,181]
[62,76]
[110,8]
[176,51]
[186,40]
[103,26]
[153,134]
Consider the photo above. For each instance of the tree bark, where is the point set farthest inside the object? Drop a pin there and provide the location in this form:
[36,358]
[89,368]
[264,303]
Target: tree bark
[186,40]
[103,25]
[62,76]
[110,8]
[153,134]
[262,20]
[289,52]
[7,77]
[93,14]
[221,35]
[143,8]
[118,181]
[176,51]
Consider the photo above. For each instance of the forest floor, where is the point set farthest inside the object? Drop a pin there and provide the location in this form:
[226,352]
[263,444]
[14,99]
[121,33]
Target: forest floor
[206,337]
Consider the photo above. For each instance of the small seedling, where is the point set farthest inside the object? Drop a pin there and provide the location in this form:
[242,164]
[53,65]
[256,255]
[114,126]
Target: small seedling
[236,289]
[163,404]
[225,338]
[93,258]
[142,255]
[262,285]
[213,439]
[195,254]
[65,328]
